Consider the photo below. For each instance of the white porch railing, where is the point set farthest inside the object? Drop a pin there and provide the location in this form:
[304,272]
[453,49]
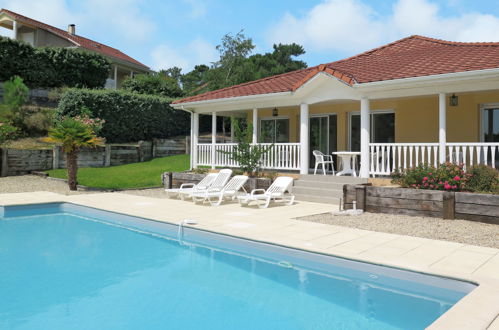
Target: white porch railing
[386,157]
[281,156]
[471,154]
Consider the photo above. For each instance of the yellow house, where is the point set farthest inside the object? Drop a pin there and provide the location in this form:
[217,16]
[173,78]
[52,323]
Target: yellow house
[416,100]
[39,34]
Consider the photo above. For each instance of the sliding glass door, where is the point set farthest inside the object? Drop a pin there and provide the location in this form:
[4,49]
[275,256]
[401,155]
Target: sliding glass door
[490,127]
[274,130]
[382,129]
[323,135]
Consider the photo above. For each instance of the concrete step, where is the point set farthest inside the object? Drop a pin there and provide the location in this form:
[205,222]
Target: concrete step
[318,184]
[326,200]
[317,192]
[332,178]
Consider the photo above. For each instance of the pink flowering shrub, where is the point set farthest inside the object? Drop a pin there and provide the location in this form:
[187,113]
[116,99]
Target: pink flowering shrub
[95,124]
[448,177]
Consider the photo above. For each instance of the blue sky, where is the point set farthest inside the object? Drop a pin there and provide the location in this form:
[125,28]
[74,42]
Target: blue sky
[184,33]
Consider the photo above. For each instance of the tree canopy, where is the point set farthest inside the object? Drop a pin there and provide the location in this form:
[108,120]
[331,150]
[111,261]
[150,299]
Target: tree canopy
[236,65]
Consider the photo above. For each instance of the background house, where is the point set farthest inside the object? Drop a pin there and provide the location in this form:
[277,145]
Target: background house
[39,34]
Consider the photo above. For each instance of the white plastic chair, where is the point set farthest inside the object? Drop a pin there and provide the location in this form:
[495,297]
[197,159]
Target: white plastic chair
[187,188]
[215,196]
[276,192]
[321,159]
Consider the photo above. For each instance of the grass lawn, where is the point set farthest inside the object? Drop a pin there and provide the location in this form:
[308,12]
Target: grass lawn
[136,175]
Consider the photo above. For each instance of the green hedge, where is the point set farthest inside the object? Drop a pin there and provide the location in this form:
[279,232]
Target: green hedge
[52,66]
[129,116]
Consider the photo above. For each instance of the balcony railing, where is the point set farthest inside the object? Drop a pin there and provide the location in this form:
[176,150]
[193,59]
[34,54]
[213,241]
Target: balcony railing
[280,156]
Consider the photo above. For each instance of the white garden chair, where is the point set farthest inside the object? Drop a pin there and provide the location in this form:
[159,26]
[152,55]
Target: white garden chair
[321,159]
[188,188]
[276,192]
[215,196]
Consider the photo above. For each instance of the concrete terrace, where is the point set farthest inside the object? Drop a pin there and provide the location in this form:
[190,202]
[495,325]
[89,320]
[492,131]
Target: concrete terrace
[278,225]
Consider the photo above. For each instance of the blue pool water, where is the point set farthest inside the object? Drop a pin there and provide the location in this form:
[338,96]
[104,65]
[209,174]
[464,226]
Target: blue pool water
[68,267]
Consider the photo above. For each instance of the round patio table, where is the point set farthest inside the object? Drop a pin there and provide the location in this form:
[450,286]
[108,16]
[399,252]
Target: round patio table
[348,162]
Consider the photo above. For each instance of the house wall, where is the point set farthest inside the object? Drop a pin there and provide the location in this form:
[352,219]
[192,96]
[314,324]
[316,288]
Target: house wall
[416,118]
[47,39]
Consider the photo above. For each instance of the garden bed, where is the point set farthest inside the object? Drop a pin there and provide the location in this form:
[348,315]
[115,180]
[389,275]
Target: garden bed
[416,202]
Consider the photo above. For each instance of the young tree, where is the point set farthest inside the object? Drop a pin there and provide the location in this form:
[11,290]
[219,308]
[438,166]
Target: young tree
[247,155]
[74,133]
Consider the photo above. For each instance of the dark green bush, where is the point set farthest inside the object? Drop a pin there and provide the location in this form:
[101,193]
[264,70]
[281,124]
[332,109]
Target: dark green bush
[483,179]
[52,66]
[129,116]
[153,84]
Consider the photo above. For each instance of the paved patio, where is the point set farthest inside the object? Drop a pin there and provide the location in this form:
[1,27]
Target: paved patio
[278,225]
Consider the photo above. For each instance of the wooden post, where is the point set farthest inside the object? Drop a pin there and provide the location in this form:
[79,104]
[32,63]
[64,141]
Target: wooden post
[360,197]
[55,157]
[107,157]
[4,167]
[449,205]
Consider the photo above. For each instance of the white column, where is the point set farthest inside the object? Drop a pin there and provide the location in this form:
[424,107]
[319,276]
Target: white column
[195,135]
[191,149]
[365,117]
[231,129]
[213,138]
[304,143]
[115,77]
[442,130]
[14,28]
[255,125]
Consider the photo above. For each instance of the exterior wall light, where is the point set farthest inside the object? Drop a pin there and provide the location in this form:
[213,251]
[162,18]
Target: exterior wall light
[453,100]
[275,112]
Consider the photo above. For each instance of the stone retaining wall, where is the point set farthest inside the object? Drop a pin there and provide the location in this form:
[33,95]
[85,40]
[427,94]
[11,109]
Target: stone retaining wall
[431,203]
[22,161]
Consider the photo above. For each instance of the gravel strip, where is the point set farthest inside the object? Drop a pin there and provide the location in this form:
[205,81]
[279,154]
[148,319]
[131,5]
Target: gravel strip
[461,231]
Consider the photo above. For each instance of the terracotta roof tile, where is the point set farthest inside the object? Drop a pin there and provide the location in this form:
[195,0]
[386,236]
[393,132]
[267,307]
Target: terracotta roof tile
[76,39]
[413,56]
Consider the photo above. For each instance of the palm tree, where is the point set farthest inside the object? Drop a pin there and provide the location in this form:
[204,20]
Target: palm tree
[73,135]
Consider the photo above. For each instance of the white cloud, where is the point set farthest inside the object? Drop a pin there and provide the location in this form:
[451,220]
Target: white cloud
[196,52]
[197,8]
[354,25]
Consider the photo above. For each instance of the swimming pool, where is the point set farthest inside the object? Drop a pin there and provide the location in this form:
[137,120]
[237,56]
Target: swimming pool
[65,266]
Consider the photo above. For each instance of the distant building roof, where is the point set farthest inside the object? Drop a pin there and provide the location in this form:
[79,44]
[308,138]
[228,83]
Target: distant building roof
[77,40]
[414,56]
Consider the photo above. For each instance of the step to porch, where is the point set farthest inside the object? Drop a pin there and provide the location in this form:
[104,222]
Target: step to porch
[326,189]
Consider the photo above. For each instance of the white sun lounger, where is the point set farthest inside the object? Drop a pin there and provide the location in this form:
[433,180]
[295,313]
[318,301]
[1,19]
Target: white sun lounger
[276,192]
[187,188]
[218,182]
[215,196]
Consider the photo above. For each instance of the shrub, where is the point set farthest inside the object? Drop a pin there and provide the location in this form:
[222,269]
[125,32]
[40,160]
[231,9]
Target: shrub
[52,66]
[153,84]
[128,116]
[38,120]
[7,132]
[448,177]
[483,178]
